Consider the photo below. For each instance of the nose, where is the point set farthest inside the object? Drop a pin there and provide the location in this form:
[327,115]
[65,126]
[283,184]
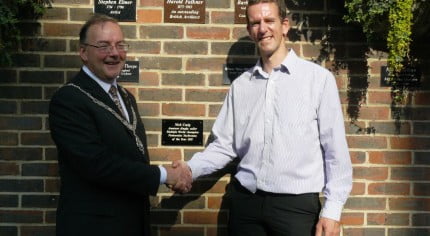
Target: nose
[113,51]
[263,27]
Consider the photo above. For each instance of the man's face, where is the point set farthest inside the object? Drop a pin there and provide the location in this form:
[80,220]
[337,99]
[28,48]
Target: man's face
[266,28]
[105,64]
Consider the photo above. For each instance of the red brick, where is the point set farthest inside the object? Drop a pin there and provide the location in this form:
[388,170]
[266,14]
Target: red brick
[311,50]
[358,188]
[205,64]
[9,168]
[52,185]
[165,154]
[176,109]
[370,173]
[387,219]
[365,203]
[363,231]
[214,110]
[222,17]
[379,97]
[155,94]
[352,218]
[214,202]
[422,98]
[149,16]
[205,217]
[206,95]
[241,33]
[389,188]
[357,157]
[61,29]
[36,139]
[410,173]
[409,143]
[208,33]
[151,3]
[149,78]
[8,138]
[388,157]
[374,113]
[37,230]
[149,109]
[422,189]
[21,216]
[409,204]
[367,142]
[375,67]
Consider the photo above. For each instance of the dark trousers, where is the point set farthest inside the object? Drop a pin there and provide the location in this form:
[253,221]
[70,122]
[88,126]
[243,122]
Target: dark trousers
[271,214]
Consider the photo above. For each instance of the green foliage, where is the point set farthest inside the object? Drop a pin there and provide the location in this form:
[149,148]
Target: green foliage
[386,22]
[12,13]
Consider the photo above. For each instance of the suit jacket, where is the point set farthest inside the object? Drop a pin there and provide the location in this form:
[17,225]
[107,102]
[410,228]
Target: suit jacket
[106,179]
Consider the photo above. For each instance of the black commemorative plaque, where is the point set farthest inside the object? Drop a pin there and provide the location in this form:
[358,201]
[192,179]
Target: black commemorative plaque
[122,10]
[410,76]
[130,72]
[240,11]
[182,132]
[231,71]
[185,11]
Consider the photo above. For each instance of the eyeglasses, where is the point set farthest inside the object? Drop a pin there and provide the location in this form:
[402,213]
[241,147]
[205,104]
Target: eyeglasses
[107,48]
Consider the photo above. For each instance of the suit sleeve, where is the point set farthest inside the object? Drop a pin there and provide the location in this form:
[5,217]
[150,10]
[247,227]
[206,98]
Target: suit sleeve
[84,151]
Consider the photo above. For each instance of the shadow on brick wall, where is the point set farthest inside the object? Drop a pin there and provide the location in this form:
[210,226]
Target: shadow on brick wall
[341,46]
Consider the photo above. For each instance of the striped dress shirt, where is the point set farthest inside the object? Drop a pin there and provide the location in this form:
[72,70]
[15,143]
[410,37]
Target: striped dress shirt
[287,129]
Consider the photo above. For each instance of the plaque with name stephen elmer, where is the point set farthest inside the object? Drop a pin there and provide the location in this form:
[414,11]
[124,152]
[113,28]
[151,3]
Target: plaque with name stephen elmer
[122,10]
[182,132]
[184,11]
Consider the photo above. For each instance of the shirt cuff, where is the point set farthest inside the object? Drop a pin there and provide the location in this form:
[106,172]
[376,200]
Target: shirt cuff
[163,175]
[332,210]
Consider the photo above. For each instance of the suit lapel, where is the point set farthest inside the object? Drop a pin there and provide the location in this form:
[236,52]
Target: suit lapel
[91,86]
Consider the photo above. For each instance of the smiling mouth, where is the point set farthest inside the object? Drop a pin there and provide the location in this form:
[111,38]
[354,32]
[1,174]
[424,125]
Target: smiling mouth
[112,63]
[265,38]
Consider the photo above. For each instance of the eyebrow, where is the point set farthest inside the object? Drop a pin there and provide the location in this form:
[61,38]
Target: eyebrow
[104,41]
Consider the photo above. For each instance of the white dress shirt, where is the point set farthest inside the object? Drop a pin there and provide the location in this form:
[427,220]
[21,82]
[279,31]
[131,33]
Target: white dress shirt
[287,128]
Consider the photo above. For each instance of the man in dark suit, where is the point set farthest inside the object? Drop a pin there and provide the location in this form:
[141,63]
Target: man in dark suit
[106,178]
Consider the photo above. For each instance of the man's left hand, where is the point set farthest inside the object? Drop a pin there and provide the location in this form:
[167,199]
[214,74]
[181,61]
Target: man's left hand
[327,226]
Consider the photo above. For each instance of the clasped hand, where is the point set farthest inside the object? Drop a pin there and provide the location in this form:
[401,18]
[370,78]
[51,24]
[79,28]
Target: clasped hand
[179,177]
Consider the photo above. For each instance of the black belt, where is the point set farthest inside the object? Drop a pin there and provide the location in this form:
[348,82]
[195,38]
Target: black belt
[259,192]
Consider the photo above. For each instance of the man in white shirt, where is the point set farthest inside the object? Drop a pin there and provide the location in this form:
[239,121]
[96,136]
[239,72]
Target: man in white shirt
[283,120]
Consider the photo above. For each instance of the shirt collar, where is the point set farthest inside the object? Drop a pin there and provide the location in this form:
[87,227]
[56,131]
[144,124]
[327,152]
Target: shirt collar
[287,65]
[105,86]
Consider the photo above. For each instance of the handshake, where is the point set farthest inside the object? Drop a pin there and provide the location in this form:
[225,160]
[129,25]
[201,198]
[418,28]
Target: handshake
[179,177]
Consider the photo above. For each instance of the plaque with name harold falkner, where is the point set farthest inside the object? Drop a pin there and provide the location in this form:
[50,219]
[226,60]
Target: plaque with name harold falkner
[122,10]
[182,132]
[185,11]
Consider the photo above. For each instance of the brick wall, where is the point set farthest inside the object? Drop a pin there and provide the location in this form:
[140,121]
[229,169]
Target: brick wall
[181,78]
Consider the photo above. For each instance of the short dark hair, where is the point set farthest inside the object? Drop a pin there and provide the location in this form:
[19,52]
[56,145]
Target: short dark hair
[95,19]
[282,9]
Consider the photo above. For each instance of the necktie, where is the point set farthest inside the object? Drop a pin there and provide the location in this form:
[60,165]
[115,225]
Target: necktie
[114,93]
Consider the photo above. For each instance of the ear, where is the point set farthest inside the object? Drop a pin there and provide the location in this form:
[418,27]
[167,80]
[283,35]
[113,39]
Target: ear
[285,27]
[83,53]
